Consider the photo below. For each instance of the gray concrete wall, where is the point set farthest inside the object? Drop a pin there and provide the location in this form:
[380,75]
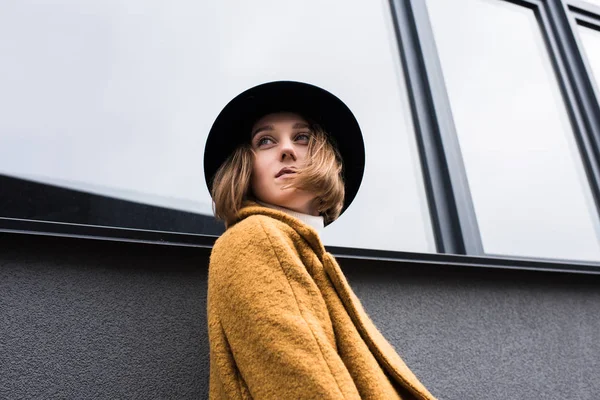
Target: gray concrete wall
[83,319]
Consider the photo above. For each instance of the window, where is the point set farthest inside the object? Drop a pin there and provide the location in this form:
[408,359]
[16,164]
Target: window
[529,188]
[113,100]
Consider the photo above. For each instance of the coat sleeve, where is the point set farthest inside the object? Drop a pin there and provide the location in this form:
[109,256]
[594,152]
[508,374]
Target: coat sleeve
[274,318]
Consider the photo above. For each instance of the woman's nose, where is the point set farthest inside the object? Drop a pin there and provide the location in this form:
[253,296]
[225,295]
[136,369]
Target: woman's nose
[287,151]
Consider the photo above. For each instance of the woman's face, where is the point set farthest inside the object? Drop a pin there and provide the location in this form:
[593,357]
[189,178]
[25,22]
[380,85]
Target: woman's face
[280,144]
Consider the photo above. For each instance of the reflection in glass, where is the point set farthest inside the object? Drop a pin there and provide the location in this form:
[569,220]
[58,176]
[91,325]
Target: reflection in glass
[526,177]
[116,98]
[594,2]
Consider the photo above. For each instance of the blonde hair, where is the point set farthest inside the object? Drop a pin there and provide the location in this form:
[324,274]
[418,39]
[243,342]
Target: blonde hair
[322,175]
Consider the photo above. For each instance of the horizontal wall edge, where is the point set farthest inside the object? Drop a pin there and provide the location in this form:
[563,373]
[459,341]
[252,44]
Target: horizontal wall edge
[55,229]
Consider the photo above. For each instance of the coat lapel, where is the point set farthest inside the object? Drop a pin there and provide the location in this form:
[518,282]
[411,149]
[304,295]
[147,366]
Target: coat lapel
[385,354]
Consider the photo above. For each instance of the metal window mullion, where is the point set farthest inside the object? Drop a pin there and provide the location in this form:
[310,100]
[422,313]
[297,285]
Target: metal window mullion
[451,205]
[578,90]
[582,18]
[583,5]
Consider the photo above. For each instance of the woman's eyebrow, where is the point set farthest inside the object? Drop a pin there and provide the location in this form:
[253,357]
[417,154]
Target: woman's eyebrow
[262,128]
[300,125]
[297,125]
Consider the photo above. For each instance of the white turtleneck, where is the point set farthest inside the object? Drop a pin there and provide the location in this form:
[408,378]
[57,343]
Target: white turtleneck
[315,221]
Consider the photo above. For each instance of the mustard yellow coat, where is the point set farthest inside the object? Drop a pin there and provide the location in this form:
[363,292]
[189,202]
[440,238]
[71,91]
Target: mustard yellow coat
[284,323]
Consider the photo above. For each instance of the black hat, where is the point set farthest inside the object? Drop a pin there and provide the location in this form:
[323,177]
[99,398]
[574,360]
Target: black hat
[232,126]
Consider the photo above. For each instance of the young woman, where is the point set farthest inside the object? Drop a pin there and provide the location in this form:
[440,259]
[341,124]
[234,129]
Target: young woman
[283,160]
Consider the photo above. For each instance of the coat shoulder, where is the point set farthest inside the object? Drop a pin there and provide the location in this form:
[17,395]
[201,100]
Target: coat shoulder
[253,227]
[245,229]
[256,239]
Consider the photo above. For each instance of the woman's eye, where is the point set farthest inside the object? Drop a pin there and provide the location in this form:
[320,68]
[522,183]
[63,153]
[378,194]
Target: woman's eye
[264,141]
[303,137]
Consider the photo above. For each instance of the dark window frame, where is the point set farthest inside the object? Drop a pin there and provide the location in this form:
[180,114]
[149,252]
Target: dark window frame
[454,223]
[587,15]
[446,185]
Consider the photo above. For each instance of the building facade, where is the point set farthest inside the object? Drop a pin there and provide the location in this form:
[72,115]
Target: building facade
[474,241]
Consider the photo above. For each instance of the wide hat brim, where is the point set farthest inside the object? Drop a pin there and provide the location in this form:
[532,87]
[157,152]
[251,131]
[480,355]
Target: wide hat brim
[233,125]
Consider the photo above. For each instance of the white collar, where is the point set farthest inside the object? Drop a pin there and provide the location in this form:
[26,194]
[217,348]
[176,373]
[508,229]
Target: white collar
[314,221]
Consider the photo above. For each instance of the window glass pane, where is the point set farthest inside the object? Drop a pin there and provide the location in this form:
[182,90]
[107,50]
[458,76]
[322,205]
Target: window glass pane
[116,98]
[526,177]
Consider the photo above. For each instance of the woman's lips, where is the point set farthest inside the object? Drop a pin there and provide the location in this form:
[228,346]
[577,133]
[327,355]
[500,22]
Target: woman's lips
[285,171]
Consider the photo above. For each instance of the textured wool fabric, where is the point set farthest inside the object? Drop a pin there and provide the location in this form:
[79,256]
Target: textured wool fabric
[285,324]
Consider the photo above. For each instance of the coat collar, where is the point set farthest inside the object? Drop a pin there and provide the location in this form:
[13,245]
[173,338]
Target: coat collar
[307,232]
[317,222]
